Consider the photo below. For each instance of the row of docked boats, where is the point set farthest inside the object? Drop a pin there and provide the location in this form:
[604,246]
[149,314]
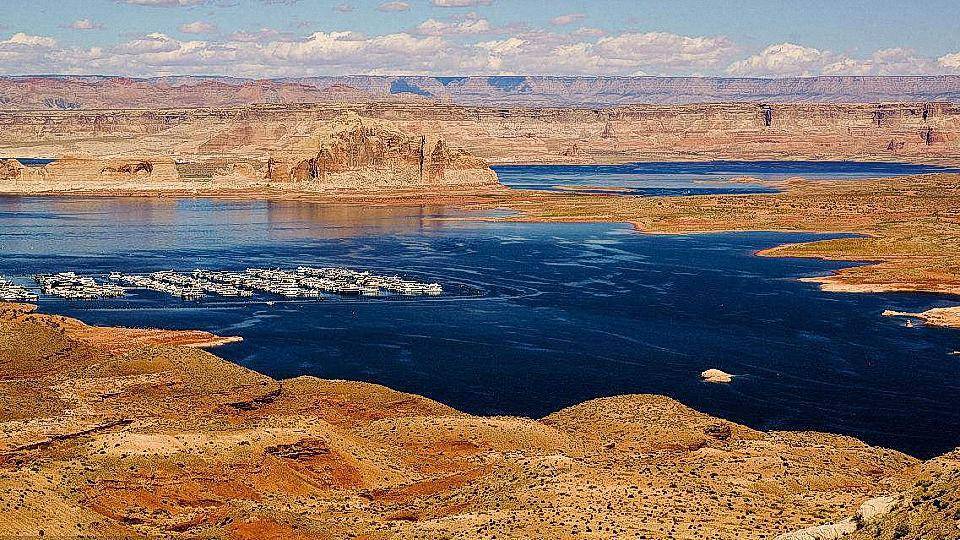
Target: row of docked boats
[183,286]
[310,282]
[302,282]
[366,282]
[71,286]
[11,292]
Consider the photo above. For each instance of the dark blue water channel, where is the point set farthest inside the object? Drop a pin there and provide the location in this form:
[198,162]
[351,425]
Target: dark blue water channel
[536,317]
[667,178]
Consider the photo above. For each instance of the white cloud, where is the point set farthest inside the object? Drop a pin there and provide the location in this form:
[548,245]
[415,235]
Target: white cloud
[665,50]
[784,60]
[895,61]
[25,53]
[394,6]
[433,27]
[85,24]
[198,27]
[588,32]
[354,53]
[343,8]
[503,46]
[950,61]
[261,35]
[582,53]
[156,42]
[440,46]
[792,60]
[562,20]
[164,3]
[461,3]
[22,40]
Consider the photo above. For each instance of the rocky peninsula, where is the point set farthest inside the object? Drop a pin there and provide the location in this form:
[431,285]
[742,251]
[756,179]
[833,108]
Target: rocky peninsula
[903,230]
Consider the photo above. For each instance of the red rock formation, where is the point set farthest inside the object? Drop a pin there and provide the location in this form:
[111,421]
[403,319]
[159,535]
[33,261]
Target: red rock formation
[342,153]
[921,132]
[94,169]
[10,170]
[355,153]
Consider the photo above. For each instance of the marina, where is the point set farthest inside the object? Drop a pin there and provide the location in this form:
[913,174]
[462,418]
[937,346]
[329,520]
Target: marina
[304,282]
[532,318]
[72,286]
[11,292]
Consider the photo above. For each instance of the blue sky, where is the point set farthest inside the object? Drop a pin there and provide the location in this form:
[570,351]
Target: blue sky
[454,37]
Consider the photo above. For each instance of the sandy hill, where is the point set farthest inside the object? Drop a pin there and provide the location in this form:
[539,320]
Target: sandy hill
[111,432]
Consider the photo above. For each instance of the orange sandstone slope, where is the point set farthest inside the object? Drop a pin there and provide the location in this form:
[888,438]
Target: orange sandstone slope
[155,439]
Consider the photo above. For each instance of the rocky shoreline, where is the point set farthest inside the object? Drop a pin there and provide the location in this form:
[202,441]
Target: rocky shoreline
[905,226]
[107,435]
[901,230]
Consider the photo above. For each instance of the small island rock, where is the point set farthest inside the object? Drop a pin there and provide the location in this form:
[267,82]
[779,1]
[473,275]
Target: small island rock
[716,376]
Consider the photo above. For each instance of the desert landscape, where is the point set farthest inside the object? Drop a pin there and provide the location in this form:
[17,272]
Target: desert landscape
[107,433]
[480,275]
[391,154]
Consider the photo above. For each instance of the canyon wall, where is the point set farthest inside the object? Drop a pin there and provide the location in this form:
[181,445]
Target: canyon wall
[350,152]
[99,92]
[917,132]
[345,152]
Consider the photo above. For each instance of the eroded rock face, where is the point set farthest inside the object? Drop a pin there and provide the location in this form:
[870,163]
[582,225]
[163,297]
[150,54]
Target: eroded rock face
[10,170]
[870,513]
[72,92]
[908,131]
[351,152]
[345,153]
[93,171]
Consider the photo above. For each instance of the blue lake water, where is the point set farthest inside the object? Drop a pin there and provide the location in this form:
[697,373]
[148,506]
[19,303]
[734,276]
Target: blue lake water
[684,178]
[536,316]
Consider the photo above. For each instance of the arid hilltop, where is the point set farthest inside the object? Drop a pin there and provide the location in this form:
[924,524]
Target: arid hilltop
[110,432]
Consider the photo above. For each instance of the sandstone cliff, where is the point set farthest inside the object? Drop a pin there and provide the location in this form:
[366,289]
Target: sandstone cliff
[912,131]
[353,153]
[344,153]
[11,170]
[70,170]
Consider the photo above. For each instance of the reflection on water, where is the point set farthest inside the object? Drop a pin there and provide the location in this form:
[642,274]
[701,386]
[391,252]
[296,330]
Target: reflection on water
[77,225]
[302,220]
[538,316]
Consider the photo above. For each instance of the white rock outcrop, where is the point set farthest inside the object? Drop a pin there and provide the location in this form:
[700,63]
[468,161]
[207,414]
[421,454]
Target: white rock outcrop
[716,376]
